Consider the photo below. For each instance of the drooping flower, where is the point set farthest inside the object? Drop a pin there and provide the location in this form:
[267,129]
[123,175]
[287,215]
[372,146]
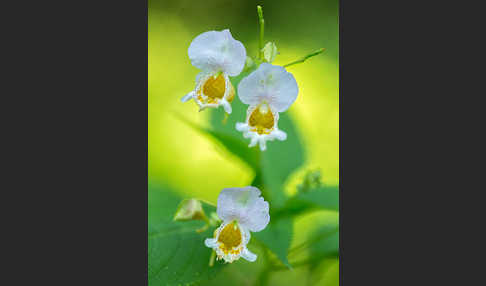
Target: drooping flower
[268,90]
[242,210]
[218,55]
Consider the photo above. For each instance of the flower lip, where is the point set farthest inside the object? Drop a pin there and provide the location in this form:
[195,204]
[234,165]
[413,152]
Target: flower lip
[230,236]
[212,90]
[258,127]
[230,241]
[261,119]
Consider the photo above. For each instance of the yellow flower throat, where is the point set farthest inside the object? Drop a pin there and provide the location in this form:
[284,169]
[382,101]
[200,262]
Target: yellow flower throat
[213,89]
[230,237]
[261,119]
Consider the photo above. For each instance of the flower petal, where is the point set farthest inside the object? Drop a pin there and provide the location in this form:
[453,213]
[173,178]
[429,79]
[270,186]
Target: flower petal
[263,143]
[270,83]
[211,242]
[188,96]
[246,235]
[244,205]
[226,105]
[217,50]
[248,255]
[279,134]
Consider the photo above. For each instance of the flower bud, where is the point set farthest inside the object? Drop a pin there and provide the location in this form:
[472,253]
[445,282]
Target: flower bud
[270,52]
[249,63]
[190,209]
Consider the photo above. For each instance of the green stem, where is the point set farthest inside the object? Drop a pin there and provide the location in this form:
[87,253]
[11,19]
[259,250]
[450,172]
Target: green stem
[258,179]
[211,259]
[301,60]
[262,29]
[264,276]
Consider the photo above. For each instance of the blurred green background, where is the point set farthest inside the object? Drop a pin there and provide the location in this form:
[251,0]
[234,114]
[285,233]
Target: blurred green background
[192,165]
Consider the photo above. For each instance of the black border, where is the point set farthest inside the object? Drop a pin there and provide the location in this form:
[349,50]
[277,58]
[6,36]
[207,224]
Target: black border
[75,189]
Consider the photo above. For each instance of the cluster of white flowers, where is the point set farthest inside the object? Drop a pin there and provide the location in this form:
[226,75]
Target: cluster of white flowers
[268,90]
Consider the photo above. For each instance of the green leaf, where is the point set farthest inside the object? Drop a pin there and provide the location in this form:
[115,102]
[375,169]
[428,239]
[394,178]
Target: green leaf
[321,243]
[280,160]
[177,254]
[229,143]
[277,237]
[327,246]
[324,198]
[324,242]
[325,273]
[162,203]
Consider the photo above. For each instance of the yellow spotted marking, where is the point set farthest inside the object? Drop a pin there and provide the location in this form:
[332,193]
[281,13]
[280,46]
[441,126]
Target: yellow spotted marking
[214,88]
[261,119]
[230,237]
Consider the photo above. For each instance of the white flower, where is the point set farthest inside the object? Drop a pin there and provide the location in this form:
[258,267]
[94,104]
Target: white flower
[242,210]
[218,55]
[268,90]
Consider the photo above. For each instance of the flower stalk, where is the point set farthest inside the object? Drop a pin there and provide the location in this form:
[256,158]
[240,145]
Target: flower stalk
[301,60]
[211,259]
[261,21]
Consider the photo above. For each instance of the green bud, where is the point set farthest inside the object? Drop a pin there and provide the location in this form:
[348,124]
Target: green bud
[249,63]
[190,209]
[270,52]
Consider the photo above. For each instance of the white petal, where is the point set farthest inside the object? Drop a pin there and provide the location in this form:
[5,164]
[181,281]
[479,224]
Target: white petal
[254,140]
[270,83]
[187,96]
[248,134]
[260,139]
[246,235]
[248,255]
[242,127]
[263,143]
[211,242]
[200,77]
[226,105]
[244,205]
[279,134]
[217,50]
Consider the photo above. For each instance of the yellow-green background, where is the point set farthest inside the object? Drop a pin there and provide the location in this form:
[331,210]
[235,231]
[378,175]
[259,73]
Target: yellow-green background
[193,165]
